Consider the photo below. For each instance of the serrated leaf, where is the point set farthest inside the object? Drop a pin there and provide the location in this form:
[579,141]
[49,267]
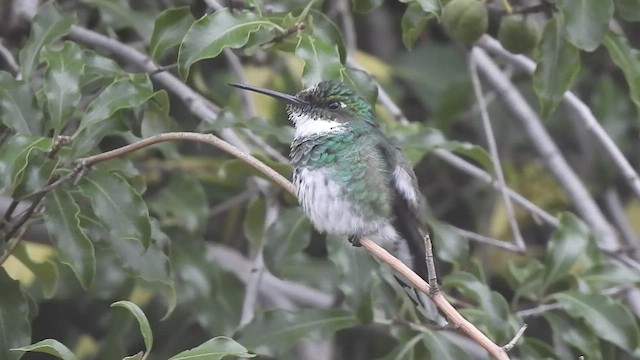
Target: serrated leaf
[129,92]
[628,9]
[558,66]
[567,244]
[51,347]
[14,158]
[15,329]
[280,329]
[608,320]
[48,25]
[215,349]
[73,245]
[209,35]
[62,83]
[118,205]
[145,328]
[628,60]
[169,29]
[321,59]
[413,22]
[586,21]
[255,221]
[18,109]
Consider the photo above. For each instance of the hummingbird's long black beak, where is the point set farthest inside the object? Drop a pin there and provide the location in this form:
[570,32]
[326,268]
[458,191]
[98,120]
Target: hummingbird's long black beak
[275,94]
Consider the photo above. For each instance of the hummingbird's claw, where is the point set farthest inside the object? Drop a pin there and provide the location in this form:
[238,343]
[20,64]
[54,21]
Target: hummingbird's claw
[355,240]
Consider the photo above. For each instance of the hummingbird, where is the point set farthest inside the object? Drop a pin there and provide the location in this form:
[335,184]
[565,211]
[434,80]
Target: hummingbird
[351,180]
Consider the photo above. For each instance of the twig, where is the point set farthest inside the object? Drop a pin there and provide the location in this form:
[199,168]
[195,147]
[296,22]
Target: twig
[509,346]
[493,150]
[580,109]
[478,173]
[348,29]
[541,309]
[302,295]
[252,286]
[197,137]
[549,152]
[12,245]
[232,202]
[10,61]
[441,302]
[486,240]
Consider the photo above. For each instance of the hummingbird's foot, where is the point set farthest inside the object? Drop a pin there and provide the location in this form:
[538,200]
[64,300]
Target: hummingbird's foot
[355,240]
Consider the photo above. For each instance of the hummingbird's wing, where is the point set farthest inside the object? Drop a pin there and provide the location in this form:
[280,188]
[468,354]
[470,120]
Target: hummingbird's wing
[407,221]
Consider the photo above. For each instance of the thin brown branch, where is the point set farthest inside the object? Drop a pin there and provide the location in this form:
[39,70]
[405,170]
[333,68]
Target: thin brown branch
[438,298]
[510,345]
[12,245]
[197,137]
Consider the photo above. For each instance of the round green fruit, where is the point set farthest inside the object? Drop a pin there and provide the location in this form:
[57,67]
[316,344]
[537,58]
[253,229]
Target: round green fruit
[465,20]
[518,34]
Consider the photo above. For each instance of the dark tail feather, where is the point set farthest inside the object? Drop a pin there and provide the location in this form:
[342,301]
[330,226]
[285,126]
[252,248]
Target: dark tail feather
[423,303]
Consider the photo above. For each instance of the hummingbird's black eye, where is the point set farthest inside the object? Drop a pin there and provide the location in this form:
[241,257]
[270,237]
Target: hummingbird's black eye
[334,105]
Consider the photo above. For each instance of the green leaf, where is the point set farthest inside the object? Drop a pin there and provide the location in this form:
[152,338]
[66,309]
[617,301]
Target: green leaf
[169,29]
[145,328]
[611,274]
[46,272]
[441,348]
[209,35]
[14,158]
[255,221]
[280,329]
[628,9]
[15,329]
[51,347]
[628,60]
[286,237]
[73,245]
[491,303]
[150,264]
[567,244]
[365,6]
[558,66]
[215,349]
[428,6]
[608,320]
[586,21]
[574,333]
[362,82]
[182,202]
[48,25]
[125,93]
[62,83]
[118,206]
[118,14]
[138,356]
[413,22]
[18,109]
[321,59]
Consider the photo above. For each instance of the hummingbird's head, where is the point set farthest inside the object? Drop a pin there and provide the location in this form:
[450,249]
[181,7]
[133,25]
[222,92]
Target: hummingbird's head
[325,107]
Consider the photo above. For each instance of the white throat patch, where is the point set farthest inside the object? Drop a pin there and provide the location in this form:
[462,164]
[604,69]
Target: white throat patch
[307,126]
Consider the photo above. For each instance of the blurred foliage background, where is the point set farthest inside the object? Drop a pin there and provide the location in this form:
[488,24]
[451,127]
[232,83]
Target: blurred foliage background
[210,249]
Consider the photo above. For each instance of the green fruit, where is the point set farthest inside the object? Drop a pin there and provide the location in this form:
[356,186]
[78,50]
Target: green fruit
[518,34]
[465,20]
